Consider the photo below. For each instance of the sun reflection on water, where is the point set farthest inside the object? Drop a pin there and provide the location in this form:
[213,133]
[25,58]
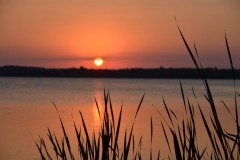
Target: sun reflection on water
[96,119]
[96,123]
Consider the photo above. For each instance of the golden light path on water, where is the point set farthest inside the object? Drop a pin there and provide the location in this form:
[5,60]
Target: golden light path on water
[98,96]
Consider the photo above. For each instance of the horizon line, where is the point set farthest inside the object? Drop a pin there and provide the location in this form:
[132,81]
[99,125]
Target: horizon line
[99,68]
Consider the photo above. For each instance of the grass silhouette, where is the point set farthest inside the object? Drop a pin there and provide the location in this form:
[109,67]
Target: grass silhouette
[183,137]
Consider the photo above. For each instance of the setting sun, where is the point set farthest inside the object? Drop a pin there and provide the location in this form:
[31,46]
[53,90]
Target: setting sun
[98,61]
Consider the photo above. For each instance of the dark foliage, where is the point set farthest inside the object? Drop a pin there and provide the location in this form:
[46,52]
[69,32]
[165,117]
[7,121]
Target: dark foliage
[171,73]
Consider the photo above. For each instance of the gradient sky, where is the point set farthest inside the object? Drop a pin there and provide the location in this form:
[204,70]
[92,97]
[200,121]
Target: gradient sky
[125,33]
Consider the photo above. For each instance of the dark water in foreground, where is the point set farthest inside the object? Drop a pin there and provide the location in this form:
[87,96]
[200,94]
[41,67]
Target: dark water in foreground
[26,106]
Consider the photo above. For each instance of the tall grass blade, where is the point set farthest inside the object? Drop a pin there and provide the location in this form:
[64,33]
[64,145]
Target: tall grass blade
[228,110]
[117,134]
[97,147]
[65,135]
[139,106]
[39,147]
[201,72]
[184,140]
[125,145]
[183,97]
[44,145]
[180,137]
[111,108]
[139,148]
[52,141]
[189,50]
[230,58]
[208,130]
[87,135]
[201,156]
[151,138]
[176,146]
[133,142]
[158,157]
[98,109]
[128,145]
[161,116]
[67,140]
[105,98]
[151,130]
[151,154]
[60,153]
[236,106]
[166,108]
[173,114]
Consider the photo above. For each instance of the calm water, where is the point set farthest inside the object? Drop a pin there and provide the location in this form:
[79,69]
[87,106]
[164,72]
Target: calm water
[26,106]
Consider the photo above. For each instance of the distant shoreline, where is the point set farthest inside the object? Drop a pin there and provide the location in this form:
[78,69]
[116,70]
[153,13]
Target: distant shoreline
[157,73]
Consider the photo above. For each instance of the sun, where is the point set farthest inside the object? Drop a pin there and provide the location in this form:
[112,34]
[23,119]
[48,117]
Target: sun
[98,61]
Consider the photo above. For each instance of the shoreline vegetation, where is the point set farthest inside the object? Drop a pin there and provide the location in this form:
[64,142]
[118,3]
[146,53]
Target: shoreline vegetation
[180,134]
[164,73]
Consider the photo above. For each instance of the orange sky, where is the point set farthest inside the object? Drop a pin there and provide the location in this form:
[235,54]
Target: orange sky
[126,33]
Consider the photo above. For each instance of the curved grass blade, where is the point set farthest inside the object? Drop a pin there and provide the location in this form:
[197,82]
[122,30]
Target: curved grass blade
[230,58]
[139,106]
[173,114]
[166,108]
[183,97]
[161,116]
[228,110]
[52,141]
[39,148]
[236,106]
[189,50]
[98,108]
[44,145]
[65,135]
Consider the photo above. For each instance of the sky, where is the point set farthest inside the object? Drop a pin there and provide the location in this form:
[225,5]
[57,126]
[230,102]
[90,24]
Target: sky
[124,33]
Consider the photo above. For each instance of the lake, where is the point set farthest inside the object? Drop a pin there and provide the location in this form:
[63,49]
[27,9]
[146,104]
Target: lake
[26,106]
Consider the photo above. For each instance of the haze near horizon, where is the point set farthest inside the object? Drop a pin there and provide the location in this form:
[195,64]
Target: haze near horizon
[125,34]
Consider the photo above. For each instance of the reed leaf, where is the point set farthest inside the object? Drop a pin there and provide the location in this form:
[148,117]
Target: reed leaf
[166,137]
[139,106]
[158,156]
[166,108]
[183,97]
[151,138]
[52,142]
[87,135]
[98,109]
[44,145]
[230,58]
[151,130]
[176,146]
[39,147]
[117,134]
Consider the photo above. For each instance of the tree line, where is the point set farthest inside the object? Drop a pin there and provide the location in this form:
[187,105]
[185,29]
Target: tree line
[171,73]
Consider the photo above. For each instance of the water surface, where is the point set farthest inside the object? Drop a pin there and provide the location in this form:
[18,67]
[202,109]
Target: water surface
[26,105]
